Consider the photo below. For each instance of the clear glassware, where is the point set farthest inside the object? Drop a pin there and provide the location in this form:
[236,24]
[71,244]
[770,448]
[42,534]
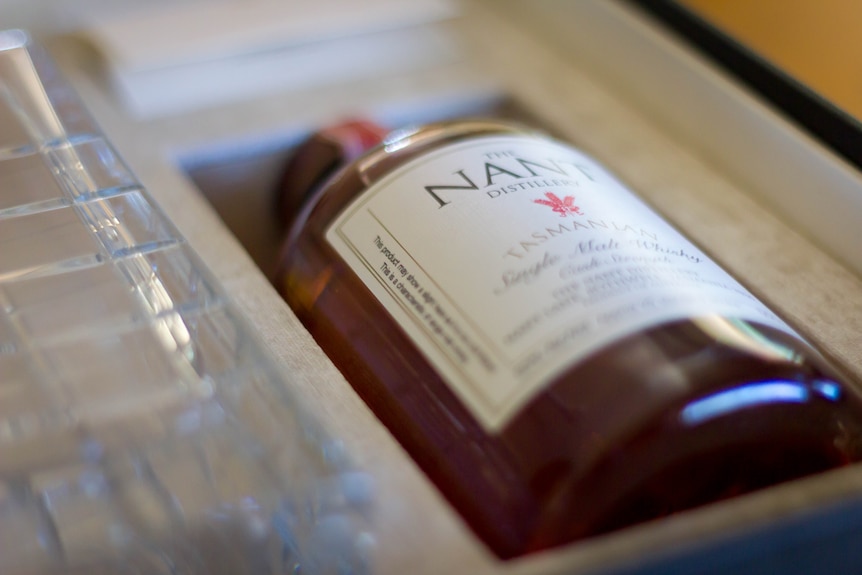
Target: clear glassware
[143,429]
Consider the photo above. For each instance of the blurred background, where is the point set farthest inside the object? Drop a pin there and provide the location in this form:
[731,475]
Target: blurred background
[815,42]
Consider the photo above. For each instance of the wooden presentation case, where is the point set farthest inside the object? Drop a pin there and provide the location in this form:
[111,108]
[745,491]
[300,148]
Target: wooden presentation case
[778,208]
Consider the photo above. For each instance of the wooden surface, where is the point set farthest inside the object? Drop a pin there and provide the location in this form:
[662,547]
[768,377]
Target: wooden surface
[416,531]
[816,42]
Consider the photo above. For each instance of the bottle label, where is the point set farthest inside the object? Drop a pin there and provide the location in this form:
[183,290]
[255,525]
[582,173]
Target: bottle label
[507,259]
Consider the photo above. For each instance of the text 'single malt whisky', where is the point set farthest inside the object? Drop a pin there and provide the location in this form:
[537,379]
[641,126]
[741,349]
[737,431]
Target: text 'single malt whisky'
[558,359]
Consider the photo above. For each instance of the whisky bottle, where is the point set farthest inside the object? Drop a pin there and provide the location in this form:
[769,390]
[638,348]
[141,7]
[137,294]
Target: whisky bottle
[558,359]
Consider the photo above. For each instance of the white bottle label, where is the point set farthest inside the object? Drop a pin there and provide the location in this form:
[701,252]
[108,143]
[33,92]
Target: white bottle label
[507,259]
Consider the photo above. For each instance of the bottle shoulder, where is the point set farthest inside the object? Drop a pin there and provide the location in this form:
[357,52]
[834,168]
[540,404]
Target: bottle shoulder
[403,145]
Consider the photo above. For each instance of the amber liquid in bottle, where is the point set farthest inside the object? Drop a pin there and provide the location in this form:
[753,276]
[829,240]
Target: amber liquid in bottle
[668,418]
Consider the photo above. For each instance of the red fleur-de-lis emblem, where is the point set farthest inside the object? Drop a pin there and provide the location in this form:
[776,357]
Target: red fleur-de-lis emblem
[563,206]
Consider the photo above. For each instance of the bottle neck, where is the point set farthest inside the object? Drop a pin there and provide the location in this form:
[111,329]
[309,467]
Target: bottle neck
[316,159]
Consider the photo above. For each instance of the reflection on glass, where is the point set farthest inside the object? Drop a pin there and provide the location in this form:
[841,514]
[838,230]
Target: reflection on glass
[747,396]
[755,394]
